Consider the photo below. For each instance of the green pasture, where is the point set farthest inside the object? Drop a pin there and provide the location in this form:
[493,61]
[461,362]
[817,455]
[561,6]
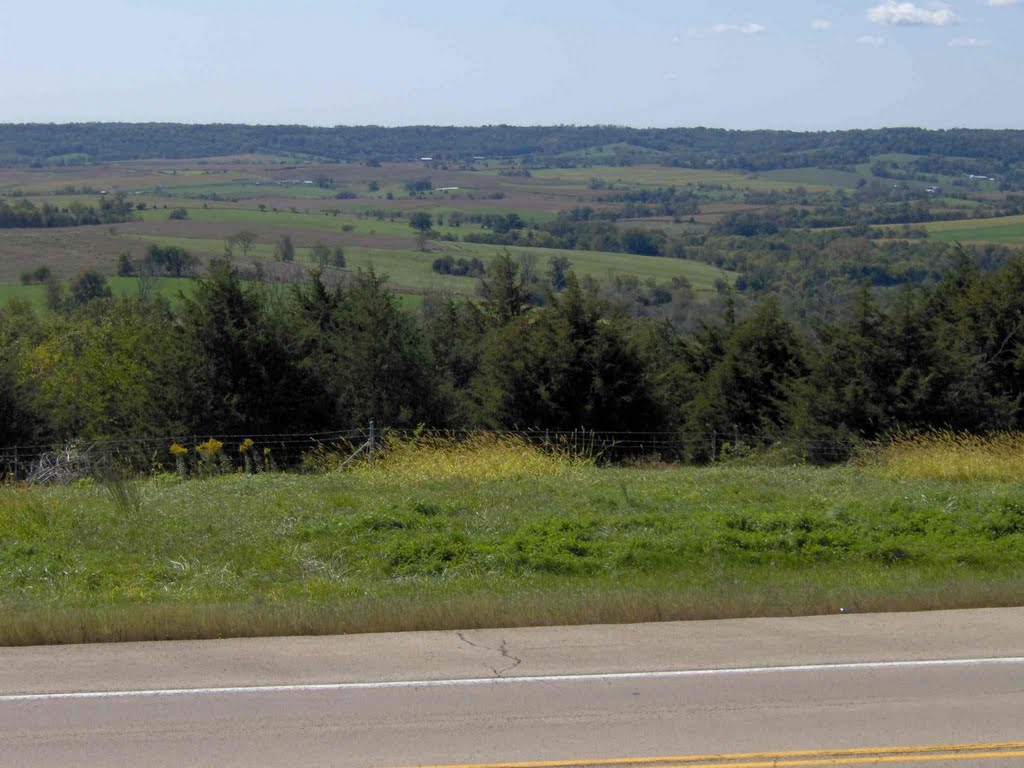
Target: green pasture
[956,202]
[654,175]
[168,287]
[814,177]
[32,294]
[240,190]
[411,269]
[603,265]
[1007,230]
[406,269]
[314,220]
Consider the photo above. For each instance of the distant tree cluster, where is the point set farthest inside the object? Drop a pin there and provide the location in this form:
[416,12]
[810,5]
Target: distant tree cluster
[449,265]
[22,213]
[418,185]
[159,260]
[569,233]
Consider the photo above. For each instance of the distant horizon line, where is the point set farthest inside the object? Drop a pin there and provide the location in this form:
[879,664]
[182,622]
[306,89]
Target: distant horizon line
[617,126]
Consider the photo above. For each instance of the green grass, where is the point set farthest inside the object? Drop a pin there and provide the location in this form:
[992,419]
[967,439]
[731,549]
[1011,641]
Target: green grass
[243,190]
[410,269]
[33,294]
[302,221]
[169,287]
[956,202]
[396,550]
[814,177]
[1007,230]
[406,269]
[602,265]
[653,175]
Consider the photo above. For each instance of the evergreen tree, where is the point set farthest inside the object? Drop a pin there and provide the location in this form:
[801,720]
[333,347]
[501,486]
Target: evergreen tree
[240,375]
[504,291]
[565,367]
[749,391]
[20,332]
[366,354]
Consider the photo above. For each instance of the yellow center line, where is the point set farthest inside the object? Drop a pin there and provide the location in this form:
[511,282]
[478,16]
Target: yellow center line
[840,761]
[791,759]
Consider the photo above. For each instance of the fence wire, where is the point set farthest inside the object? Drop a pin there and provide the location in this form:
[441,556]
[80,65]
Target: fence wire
[291,451]
[42,463]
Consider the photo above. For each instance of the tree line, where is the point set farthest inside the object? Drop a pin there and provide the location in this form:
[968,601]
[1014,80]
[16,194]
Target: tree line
[964,150]
[22,213]
[251,358]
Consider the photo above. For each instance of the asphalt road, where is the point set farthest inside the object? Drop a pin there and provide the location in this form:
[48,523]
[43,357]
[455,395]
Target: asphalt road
[943,688]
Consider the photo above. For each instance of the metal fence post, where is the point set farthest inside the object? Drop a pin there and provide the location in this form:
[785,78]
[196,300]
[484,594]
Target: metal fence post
[371,444]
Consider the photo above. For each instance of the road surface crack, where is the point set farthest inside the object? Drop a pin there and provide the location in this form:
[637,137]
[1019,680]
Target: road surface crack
[502,649]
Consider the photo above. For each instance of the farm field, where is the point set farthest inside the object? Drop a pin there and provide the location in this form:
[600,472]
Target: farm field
[33,294]
[271,198]
[365,209]
[1008,230]
[496,535]
[815,177]
[171,288]
[125,287]
[655,175]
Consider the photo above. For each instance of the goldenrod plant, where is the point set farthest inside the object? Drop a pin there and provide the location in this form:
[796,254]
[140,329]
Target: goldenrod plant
[947,455]
[478,456]
[245,449]
[209,454]
[180,454]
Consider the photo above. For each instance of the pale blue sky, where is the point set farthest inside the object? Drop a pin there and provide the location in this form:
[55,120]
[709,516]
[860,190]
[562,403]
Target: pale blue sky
[799,64]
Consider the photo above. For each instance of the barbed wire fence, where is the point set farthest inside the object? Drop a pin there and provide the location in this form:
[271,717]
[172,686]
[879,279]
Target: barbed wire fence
[54,463]
[43,463]
[671,446]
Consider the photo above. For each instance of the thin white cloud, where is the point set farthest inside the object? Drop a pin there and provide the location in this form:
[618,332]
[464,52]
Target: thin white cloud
[821,24]
[873,40]
[969,42]
[744,29]
[892,13]
[1003,3]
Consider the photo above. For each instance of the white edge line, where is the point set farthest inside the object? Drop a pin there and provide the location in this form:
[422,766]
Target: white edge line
[524,679]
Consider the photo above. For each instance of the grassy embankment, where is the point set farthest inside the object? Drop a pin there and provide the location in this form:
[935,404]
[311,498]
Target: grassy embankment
[500,535]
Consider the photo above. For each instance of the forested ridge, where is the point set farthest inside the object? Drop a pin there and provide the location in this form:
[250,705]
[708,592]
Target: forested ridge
[36,143]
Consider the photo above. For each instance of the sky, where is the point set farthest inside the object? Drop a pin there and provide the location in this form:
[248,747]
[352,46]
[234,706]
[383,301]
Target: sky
[797,65]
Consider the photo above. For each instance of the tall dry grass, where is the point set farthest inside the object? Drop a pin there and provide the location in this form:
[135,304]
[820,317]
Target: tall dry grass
[574,604]
[947,455]
[479,456]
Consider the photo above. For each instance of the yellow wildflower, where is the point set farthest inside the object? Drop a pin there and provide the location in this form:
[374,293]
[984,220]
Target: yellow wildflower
[210,448]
